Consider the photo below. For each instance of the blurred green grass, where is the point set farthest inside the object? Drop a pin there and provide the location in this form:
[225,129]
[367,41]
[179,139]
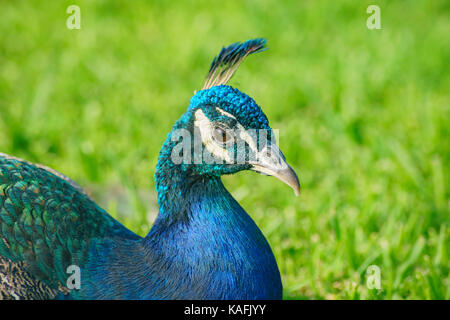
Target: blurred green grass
[363,117]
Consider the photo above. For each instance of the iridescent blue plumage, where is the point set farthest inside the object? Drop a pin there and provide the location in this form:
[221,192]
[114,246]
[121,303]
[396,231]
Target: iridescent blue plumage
[203,245]
[231,100]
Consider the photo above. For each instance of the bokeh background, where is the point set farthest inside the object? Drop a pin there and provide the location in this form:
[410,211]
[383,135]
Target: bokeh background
[363,117]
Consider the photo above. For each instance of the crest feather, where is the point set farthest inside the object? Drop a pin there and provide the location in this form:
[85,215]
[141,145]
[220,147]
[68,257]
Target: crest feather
[226,63]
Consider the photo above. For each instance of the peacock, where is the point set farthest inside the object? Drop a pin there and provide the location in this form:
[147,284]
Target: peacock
[202,245]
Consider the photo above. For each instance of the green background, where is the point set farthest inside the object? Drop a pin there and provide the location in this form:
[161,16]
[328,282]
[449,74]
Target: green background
[363,118]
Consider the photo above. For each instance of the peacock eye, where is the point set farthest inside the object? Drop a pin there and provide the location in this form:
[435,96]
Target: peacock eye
[221,135]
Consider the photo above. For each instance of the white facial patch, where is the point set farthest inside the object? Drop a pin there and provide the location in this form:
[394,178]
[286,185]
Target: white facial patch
[206,127]
[206,133]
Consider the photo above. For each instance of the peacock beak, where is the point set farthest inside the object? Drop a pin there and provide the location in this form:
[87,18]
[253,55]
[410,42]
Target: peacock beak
[271,161]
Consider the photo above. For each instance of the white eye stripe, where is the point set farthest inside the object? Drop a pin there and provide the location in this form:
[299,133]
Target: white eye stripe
[244,135]
[229,115]
[206,132]
[242,132]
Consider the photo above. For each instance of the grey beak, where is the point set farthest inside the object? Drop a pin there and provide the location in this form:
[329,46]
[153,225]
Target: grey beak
[272,162]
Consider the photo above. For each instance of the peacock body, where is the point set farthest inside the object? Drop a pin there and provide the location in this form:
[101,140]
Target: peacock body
[203,245]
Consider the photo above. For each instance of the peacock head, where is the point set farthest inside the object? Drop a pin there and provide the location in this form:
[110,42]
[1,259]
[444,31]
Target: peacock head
[224,131]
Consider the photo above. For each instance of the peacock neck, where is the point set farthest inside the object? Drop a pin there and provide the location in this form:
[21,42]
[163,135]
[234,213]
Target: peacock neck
[178,187]
[203,245]
[205,242]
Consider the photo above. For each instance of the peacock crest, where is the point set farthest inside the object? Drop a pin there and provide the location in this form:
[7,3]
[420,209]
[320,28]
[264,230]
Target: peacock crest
[226,63]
